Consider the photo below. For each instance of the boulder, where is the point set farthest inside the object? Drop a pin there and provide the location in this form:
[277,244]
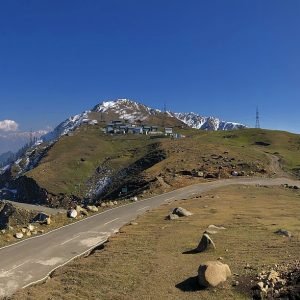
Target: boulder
[19,235]
[204,243]
[92,208]
[72,213]
[181,212]
[212,273]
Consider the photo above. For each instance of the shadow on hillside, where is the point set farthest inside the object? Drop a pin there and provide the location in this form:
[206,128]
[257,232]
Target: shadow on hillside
[189,285]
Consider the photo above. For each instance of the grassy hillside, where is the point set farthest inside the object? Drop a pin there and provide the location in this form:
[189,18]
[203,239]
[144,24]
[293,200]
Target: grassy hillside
[78,161]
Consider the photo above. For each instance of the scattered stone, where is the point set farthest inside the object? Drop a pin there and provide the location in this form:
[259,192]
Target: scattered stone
[41,218]
[214,227]
[204,243]
[235,283]
[72,213]
[172,217]
[81,210]
[212,273]
[133,223]
[284,232]
[103,204]
[30,227]
[19,235]
[92,208]
[181,212]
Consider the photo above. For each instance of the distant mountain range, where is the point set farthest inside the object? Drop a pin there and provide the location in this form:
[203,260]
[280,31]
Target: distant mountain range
[13,141]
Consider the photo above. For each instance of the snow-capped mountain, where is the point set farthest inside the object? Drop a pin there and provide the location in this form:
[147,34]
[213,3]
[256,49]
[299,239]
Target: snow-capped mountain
[131,110]
[125,109]
[66,126]
[194,120]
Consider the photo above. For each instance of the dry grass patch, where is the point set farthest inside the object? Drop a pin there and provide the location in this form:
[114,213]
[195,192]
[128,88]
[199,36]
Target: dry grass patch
[147,261]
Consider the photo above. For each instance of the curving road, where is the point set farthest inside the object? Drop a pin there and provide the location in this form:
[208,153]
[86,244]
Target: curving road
[32,260]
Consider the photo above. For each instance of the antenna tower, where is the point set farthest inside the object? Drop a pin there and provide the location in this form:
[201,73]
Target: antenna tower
[257,125]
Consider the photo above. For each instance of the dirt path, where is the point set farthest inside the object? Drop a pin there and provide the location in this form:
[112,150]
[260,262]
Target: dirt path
[38,208]
[275,167]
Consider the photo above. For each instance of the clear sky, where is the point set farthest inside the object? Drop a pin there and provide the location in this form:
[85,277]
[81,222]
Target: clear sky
[214,57]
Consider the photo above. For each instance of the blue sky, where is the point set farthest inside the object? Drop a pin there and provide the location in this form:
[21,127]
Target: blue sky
[216,57]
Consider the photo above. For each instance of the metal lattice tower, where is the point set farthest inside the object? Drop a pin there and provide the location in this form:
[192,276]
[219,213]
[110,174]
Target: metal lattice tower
[257,125]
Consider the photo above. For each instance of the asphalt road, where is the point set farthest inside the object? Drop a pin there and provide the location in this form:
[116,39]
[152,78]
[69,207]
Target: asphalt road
[33,259]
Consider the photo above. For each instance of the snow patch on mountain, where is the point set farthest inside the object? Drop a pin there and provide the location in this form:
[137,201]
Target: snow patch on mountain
[194,120]
[65,127]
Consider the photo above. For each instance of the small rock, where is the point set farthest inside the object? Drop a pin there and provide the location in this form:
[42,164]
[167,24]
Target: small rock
[48,221]
[30,227]
[23,230]
[92,208]
[181,212]
[220,258]
[81,210]
[72,213]
[284,232]
[235,283]
[133,223]
[3,231]
[103,204]
[115,203]
[28,233]
[172,217]
[260,285]
[135,199]
[19,235]
[214,227]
